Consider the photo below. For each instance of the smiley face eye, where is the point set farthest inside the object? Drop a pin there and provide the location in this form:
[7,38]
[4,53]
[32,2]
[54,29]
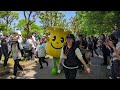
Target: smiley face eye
[54,38]
[62,39]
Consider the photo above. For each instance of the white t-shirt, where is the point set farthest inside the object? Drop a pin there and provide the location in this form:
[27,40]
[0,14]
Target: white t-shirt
[34,40]
[30,43]
[41,50]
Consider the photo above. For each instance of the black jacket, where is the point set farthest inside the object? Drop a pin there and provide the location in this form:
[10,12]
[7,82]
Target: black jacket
[4,47]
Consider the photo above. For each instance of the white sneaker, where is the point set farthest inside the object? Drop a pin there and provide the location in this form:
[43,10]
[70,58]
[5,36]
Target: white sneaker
[108,67]
[13,77]
[18,78]
[22,73]
[59,71]
[110,77]
[100,56]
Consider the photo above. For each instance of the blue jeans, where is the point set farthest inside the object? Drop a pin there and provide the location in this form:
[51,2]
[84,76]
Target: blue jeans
[115,69]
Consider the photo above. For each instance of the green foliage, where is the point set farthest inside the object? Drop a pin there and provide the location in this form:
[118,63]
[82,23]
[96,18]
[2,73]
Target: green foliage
[84,22]
[52,18]
[33,28]
[8,17]
[97,22]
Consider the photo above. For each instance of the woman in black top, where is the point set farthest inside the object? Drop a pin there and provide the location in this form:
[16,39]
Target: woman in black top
[70,55]
[105,49]
[4,45]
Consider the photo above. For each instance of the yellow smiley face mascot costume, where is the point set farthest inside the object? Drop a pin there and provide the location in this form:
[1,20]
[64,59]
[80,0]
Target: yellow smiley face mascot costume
[55,43]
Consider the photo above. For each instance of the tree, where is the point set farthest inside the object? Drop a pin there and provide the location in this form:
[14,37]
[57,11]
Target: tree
[33,28]
[8,17]
[52,18]
[6,20]
[30,18]
[97,22]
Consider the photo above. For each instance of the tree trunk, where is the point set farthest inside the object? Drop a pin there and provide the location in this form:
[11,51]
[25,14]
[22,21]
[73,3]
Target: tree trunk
[25,15]
[55,18]
[51,23]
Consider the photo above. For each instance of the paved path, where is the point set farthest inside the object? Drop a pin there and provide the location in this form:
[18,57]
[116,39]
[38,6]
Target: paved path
[33,72]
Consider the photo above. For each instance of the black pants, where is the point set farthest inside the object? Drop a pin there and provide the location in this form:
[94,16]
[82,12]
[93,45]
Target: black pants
[0,53]
[70,73]
[115,70]
[22,52]
[16,66]
[42,59]
[29,52]
[5,53]
[94,50]
[105,59]
[5,58]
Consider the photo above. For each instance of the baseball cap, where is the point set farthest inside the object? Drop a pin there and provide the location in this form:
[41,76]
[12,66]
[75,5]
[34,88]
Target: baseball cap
[71,36]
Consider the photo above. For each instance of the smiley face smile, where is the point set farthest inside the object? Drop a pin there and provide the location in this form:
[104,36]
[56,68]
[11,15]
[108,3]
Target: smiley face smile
[55,47]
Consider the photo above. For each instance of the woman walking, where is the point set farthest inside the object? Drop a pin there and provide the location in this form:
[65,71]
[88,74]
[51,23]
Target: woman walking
[16,54]
[70,55]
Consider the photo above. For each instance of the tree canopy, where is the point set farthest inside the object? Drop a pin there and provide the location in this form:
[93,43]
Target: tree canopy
[84,22]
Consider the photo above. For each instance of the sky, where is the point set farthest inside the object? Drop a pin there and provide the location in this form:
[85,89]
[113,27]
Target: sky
[68,15]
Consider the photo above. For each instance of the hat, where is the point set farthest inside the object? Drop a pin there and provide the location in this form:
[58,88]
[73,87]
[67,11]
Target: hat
[14,39]
[117,34]
[19,32]
[71,36]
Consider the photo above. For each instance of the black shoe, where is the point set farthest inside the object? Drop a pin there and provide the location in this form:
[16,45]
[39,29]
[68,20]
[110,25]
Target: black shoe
[47,63]
[103,64]
[41,67]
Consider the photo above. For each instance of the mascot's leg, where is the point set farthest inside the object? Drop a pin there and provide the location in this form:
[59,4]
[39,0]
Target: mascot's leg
[54,68]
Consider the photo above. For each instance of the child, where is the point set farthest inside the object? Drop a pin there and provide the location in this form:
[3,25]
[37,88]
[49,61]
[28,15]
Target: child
[41,53]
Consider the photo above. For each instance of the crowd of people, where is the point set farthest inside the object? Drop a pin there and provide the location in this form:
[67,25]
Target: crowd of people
[75,54]
[16,47]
